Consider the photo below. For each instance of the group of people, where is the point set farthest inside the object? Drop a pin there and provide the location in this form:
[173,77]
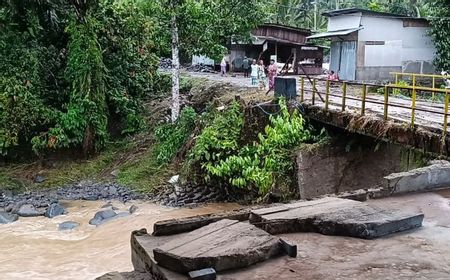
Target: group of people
[259,73]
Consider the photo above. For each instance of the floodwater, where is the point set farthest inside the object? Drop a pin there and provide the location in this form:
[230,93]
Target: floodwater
[418,254]
[34,248]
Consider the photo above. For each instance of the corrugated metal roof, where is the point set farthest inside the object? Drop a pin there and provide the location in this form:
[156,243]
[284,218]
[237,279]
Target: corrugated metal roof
[368,12]
[334,33]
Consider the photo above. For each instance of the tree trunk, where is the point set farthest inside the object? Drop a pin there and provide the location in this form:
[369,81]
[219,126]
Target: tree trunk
[175,70]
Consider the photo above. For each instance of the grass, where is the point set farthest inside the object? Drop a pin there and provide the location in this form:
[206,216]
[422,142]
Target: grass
[135,166]
[144,174]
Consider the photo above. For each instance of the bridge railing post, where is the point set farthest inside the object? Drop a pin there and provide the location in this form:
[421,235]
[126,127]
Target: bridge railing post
[363,104]
[302,90]
[327,95]
[314,91]
[444,131]
[414,97]
[434,86]
[386,102]
[344,95]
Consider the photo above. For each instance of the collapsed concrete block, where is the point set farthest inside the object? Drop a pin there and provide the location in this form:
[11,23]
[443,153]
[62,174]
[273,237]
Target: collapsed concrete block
[422,179]
[335,216]
[223,245]
[176,226]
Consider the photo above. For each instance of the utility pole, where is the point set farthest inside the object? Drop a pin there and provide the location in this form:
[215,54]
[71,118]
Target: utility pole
[175,64]
[316,11]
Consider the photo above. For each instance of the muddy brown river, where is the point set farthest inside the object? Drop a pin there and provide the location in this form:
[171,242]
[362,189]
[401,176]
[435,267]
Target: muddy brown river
[34,248]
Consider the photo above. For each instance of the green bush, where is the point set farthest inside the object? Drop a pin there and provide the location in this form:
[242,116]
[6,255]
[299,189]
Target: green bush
[171,137]
[257,165]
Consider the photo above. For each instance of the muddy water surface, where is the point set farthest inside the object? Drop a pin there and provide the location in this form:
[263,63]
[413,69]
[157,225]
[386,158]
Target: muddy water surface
[34,248]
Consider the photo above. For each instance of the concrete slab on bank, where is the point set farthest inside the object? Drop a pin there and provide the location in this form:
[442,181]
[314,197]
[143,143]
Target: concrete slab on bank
[432,177]
[335,216]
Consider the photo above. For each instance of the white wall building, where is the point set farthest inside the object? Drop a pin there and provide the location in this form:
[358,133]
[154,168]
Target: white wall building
[368,45]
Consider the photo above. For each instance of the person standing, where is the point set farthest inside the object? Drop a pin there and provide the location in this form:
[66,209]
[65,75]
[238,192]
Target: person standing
[261,75]
[273,71]
[223,67]
[246,66]
[254,73]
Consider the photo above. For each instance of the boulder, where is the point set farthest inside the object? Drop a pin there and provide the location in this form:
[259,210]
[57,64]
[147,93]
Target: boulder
[113,191]
[69,225]
[39,179]
[28,210]
[133,208]
[110,205]
[115,173]
[54,210]
[102,216]
[15,208]
[6,218]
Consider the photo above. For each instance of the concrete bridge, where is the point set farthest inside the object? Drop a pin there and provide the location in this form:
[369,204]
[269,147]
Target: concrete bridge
[413,116]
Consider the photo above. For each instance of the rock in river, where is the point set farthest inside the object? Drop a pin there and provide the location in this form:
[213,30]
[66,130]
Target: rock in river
[28,210]
[6,218]
[69,225]
[102,216]
[133,208]
[54,210]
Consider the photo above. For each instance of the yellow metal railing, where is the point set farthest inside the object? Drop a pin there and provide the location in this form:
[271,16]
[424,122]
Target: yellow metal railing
[342,93]
[414,77]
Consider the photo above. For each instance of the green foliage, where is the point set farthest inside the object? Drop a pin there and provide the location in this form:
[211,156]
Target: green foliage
[398,92]
[171,137]
[205,27]
[220,139]
[69,68]
[440,32]
[257,165]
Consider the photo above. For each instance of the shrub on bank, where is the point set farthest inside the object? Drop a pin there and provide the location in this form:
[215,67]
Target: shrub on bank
[254,166]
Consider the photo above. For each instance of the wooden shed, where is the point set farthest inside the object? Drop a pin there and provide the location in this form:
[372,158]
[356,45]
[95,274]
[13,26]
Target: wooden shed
[285,44]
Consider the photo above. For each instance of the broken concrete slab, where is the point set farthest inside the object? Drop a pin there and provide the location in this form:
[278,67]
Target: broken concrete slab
[335,216]
[142,245]
[176,226]
[432,177]
[223,245]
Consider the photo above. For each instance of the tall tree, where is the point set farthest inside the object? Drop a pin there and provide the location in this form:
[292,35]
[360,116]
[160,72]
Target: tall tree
[203,27]
[440,32]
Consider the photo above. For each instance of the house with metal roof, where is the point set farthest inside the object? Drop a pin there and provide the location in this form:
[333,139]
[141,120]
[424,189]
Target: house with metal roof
[368,45]
[284,44]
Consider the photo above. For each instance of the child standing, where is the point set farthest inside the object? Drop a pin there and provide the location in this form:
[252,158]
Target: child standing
[254,73]
[223,67]
[262,75]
